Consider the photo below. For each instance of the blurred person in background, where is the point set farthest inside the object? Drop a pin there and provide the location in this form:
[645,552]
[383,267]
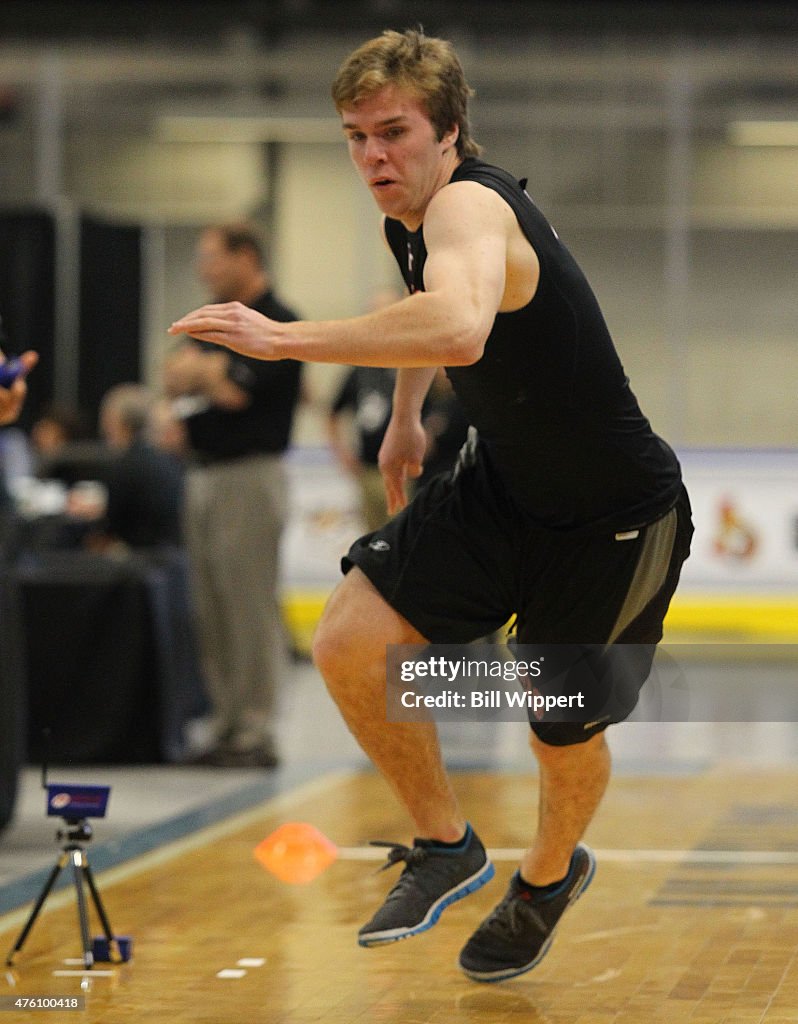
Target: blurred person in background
[140,503]
[56,427]
[167,430]
[365,396]
[66,449]
[238,415]
[12,395]
[12,398]
[446,427]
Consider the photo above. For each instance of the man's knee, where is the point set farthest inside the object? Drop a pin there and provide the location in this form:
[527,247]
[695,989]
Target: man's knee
[333,638]
[554,748]
[350,630]
[356,627]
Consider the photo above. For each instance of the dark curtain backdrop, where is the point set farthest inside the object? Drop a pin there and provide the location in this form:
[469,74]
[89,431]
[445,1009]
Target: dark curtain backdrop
[110,301]
[27,296]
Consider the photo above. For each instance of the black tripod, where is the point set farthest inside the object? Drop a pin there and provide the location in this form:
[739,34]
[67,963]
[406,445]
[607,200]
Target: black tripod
[79,831]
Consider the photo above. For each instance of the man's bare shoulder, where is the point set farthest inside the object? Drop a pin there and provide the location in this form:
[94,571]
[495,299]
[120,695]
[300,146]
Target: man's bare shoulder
[462,193]
[468,206]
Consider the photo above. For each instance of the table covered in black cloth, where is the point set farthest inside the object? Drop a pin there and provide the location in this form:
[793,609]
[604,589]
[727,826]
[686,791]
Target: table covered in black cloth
[12,699]
[107,657]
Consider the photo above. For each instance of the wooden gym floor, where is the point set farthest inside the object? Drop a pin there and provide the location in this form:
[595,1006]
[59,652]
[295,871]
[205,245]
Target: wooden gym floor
[692,916]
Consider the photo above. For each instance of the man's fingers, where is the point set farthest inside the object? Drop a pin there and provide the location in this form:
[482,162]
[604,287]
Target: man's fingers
[396,502]
[196,325]
[214,317]
[394,482]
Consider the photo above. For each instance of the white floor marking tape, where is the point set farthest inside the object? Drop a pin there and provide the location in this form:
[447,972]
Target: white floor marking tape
[84,974]
[766,857]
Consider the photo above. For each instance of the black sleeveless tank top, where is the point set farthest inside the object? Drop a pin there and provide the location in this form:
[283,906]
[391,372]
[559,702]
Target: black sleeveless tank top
[549,397]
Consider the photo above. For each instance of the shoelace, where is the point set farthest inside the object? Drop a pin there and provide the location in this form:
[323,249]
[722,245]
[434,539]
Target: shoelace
[511,915]
[411,855]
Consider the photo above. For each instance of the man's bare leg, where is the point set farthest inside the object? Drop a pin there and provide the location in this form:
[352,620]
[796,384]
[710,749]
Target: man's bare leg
[349,651]
[516,936]
[573,780]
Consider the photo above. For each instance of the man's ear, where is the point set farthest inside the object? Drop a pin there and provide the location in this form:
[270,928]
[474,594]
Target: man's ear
[452,135]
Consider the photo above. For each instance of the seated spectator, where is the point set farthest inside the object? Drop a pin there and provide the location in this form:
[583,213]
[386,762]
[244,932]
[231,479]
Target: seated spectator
[16,460]
[144,484]
[54,432]
[167,430]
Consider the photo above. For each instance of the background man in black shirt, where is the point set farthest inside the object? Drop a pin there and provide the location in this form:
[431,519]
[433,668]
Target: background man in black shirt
[238,414]
[365,395]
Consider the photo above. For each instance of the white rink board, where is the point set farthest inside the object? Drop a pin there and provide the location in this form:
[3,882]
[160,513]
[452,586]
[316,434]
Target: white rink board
[745,509]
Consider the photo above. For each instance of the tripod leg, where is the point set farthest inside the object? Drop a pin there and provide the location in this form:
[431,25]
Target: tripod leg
[61,863]
[113,946]
[78,859]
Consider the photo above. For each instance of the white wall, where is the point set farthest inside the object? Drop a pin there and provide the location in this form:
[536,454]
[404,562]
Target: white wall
[142,180]
[735,385]
[732,380]
[328,255]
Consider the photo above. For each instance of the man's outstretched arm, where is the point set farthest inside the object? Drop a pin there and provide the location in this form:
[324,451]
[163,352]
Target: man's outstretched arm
[446,325]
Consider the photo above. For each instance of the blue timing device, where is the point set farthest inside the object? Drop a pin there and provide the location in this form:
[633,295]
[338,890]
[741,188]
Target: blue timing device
[76,801]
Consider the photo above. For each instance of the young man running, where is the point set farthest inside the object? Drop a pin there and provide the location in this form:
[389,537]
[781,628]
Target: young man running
[565,509]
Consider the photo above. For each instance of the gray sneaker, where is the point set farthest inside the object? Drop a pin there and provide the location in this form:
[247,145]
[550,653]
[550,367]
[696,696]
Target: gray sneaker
[517,935]
[433,878]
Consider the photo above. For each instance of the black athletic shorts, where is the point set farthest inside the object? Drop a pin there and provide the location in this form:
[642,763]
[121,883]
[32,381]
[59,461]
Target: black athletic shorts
[463,558]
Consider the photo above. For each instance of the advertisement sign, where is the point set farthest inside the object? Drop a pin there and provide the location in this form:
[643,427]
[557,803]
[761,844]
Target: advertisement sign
[745,510]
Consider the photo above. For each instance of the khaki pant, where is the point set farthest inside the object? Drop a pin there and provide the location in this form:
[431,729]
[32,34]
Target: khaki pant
[234,516]
[372,497]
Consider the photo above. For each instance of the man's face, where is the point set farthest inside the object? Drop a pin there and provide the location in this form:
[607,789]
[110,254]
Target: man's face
[394,147]
[219,269]
[113,429]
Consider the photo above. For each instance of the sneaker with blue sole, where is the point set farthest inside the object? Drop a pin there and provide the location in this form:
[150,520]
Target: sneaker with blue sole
[516,936]
[433,878]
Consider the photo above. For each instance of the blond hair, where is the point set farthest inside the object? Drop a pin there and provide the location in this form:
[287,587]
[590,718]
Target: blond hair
[426,66]
[131,404]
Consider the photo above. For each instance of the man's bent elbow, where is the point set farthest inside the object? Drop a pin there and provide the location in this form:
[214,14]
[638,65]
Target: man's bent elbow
[466,348]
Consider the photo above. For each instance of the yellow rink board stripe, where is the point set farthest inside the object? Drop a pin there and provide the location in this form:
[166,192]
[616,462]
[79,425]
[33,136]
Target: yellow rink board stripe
[760,616]
[752,617]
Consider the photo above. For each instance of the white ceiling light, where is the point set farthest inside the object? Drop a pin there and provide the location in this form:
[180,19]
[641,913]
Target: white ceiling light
[237,128]
[763,133]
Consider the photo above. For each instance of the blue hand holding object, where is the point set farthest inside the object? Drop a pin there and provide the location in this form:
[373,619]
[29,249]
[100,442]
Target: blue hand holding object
[10,371]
